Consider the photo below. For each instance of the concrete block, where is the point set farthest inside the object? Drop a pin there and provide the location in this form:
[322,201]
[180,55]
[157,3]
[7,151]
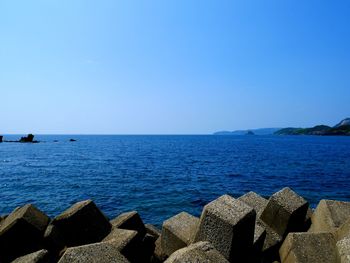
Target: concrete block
[41,256]
[309,248]
[126,241]
[258,203]
[93,253]
[271,244]
[255,201]
[178,232]
[120,238]
[343,231]
[147,247]
[131,221]
[22,232]
[153,231]
[343,247]
[329,215]
[228,224]
[53,240]
[82,223]
[259,236]
[307,221]
[285,212]
[158,255]
[197,253]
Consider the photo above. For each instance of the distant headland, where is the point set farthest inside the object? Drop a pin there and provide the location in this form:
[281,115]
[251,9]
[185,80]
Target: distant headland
[262,131]
[340,129]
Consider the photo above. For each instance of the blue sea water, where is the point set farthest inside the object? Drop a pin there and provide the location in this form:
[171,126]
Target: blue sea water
[160,176]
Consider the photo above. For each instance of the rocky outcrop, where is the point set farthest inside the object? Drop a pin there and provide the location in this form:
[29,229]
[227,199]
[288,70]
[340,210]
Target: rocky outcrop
[248,229]
[25,139]
[28,138]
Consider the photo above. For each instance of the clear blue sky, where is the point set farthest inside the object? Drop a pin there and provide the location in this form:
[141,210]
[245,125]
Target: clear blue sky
[174,66]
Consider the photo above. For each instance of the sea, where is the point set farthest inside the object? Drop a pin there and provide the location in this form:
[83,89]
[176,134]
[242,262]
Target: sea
[162,175]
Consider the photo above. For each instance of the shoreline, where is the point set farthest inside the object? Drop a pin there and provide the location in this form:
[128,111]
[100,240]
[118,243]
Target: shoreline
[249,228]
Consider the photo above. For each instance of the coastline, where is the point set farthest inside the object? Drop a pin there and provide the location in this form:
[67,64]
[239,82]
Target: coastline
[259,230]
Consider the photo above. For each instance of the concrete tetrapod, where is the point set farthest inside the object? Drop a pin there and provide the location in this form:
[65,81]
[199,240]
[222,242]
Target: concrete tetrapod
[82,223]
[309,248]
[197,253]
[228,224]
[93,253]
[178,232]
[329,215]
[21,232]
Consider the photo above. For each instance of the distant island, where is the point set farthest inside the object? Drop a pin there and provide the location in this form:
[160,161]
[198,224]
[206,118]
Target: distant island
[261,131]
[342,128]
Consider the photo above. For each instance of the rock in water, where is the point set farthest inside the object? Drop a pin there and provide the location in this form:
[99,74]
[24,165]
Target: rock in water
[29,138]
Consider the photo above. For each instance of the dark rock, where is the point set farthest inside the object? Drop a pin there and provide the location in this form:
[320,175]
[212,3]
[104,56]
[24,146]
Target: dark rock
[1,138]
[93,253]
[22,232]
[130,220]
[41,256]
[29,138]
[72,140]
[228,224]
[82,223]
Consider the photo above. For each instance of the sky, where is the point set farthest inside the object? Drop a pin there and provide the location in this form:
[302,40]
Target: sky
[172,67]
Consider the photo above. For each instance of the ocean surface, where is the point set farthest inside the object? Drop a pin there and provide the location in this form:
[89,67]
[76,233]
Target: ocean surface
[160,176]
